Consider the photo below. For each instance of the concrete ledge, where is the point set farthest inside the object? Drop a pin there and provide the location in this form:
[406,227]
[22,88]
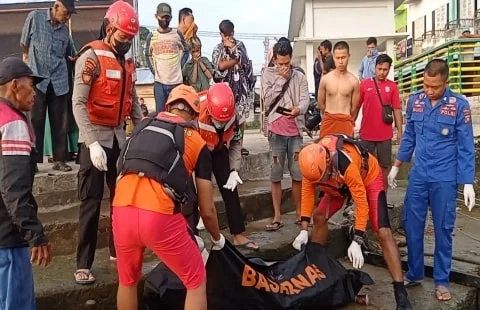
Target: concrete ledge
[255,198]
[55,190]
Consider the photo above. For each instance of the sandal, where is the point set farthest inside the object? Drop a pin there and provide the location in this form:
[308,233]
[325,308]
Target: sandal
[84,277]
[407,283]
[274,226]
[442,293]
[299,222]
[61,166]
[249,245]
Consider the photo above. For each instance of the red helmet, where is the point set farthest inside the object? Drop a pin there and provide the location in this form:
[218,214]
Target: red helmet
[123,17]
[220,102]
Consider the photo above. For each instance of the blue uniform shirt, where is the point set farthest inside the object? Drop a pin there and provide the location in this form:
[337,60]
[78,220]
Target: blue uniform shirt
[442,138]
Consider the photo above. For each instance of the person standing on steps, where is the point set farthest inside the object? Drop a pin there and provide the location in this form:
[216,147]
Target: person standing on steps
[338,93]
[439,130]
[285,95]
[218,124]
[19,223]
[341,166]
[232,65]
[103,97]
[166,52]
[381,107]
[45,42]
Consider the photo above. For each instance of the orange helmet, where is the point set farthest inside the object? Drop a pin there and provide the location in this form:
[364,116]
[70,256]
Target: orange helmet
[184,93]
[312,161]
[123,17]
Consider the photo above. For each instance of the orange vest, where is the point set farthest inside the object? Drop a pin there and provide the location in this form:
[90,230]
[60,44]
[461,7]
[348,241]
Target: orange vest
[208,131]
[111,96]
[335,185]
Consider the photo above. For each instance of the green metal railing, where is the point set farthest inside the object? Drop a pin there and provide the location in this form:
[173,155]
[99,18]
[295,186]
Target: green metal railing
[463,57]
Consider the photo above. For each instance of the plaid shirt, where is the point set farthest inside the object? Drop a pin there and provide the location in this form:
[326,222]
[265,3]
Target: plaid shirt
[48,46]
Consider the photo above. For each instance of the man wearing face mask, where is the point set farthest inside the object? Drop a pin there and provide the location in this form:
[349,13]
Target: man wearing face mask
[166,52]
[103,96]
[218,124]
[367,68]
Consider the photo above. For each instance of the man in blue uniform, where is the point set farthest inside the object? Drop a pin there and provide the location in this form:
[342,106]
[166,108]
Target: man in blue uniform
[439,130]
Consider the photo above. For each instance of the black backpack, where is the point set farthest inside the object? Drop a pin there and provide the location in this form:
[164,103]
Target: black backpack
[155,150]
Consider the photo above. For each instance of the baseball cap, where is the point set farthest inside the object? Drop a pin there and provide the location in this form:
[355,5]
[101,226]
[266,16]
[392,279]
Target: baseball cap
[164,9]
[69,5]
[465,29]
[14,68]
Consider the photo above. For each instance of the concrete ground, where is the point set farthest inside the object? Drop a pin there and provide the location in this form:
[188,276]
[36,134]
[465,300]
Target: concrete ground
[57,196]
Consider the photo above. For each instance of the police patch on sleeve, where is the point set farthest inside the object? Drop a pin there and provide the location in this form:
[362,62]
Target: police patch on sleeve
[88,70]
[467,116]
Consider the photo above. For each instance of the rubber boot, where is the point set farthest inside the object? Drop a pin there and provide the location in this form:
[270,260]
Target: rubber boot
[401,296]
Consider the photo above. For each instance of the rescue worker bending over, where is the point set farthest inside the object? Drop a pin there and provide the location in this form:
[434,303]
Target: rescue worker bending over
[340,166]
[154,166]
[103,96]
[218,126]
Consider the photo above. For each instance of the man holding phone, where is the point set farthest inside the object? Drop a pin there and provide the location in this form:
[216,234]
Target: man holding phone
[285,95]
[367,68]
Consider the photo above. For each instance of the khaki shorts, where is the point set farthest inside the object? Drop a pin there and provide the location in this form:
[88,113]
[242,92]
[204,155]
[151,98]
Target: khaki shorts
[382,150]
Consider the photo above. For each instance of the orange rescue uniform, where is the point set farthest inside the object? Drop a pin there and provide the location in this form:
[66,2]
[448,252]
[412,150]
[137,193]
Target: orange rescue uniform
[208,131]
[111,94]
[357,184]
[146,193]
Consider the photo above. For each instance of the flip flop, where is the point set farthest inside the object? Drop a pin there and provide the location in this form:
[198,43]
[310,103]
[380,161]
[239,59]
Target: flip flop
[86,273]
[442,293]
[274,226]
[407,283]
[245,246]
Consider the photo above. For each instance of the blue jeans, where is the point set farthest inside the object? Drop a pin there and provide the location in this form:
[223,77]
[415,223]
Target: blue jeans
[161,92]
[16,280]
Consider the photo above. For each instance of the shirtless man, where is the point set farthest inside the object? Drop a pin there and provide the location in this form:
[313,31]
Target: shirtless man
[338,90]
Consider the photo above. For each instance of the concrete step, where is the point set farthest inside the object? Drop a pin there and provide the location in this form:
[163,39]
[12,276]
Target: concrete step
[55,287]
[61,224]
[58,190]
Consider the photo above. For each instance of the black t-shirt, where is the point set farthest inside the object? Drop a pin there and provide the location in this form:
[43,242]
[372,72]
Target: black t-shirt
[328,63]
[203,169]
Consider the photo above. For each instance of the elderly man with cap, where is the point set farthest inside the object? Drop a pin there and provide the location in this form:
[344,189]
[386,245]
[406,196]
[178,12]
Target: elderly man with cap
[19,223]
[166,52]
[45,42]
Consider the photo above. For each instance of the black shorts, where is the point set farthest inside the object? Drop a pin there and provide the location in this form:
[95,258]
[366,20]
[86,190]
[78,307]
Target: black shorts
[382,150]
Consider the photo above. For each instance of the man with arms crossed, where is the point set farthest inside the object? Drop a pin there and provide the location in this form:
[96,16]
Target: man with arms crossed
[337,92]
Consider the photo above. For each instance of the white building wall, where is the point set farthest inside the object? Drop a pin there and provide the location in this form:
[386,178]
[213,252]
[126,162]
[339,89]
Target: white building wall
[366,18]
[425,7]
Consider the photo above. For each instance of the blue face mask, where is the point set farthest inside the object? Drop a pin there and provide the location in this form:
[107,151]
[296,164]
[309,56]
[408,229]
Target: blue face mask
[374,51]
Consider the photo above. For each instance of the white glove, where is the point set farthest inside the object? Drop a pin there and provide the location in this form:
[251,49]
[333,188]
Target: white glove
[218,244]
[355,255]
[98,156]
[233,181]
[469,196]
[392,177]
[200,243]
[301,239]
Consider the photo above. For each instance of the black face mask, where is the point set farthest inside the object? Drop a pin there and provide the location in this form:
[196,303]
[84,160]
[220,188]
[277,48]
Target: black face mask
[122,47]
[163,23]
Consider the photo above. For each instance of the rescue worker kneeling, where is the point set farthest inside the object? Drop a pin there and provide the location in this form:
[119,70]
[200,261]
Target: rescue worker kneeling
[218,126]
[153,168]
[339,165]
